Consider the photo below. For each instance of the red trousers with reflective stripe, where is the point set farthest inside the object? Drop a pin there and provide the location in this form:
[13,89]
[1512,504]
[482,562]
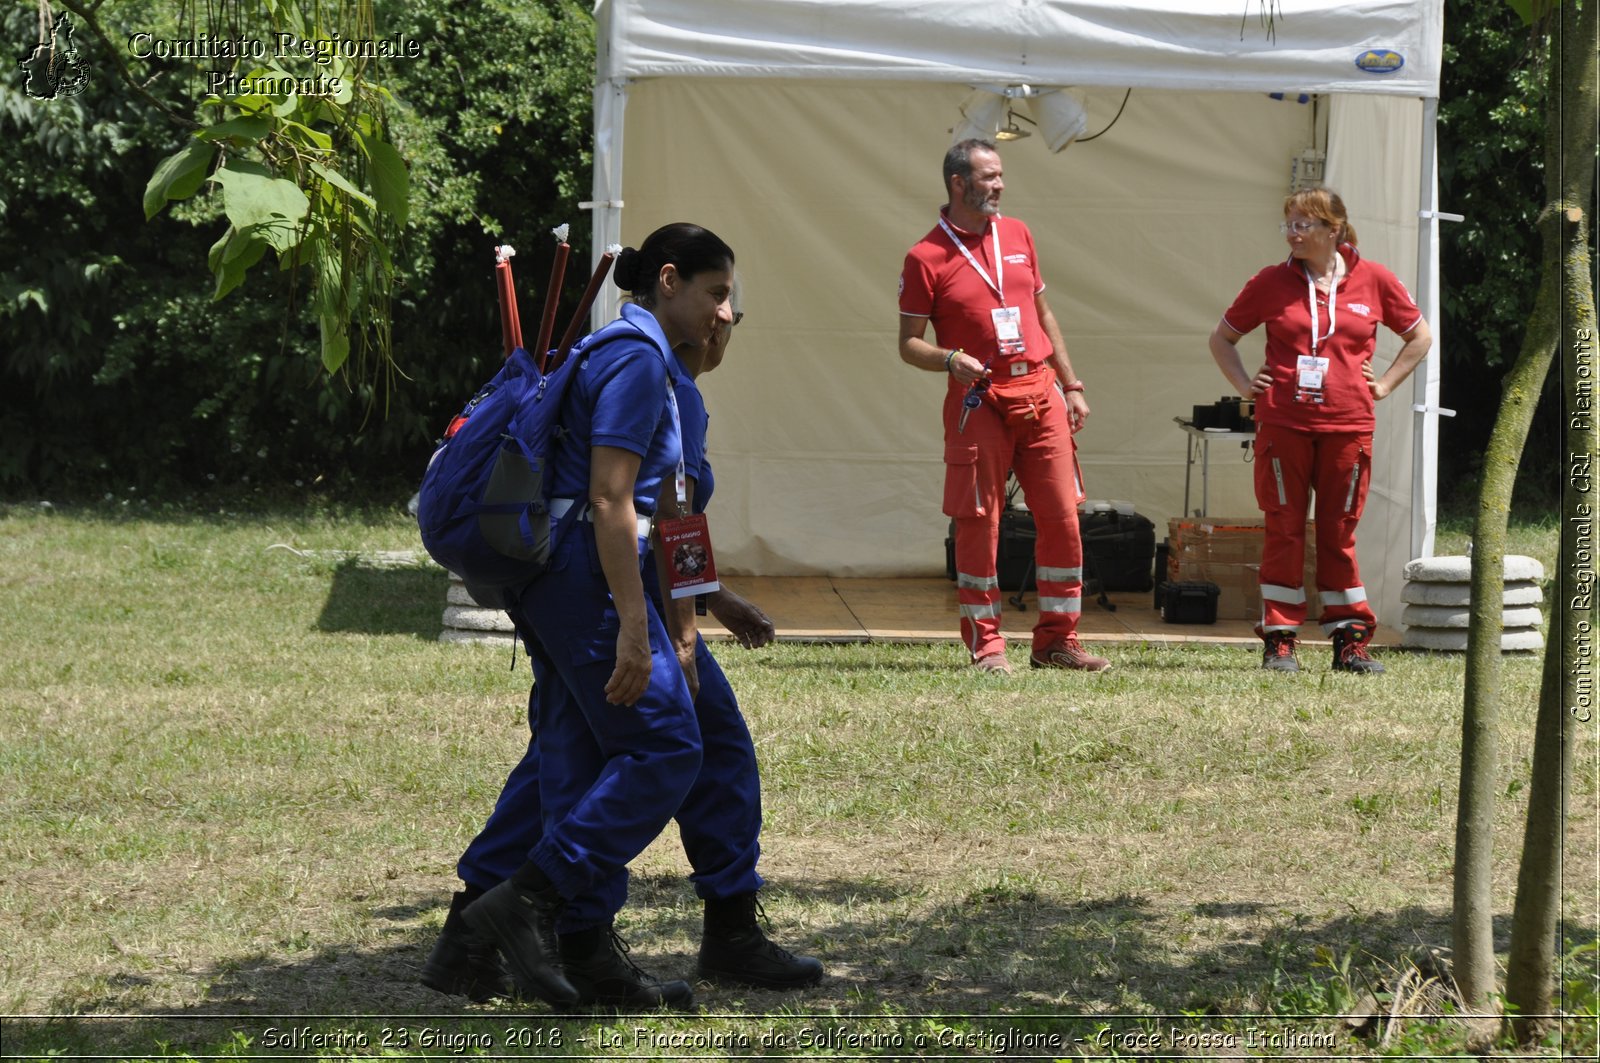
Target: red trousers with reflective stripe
[978,460]
[1291,466]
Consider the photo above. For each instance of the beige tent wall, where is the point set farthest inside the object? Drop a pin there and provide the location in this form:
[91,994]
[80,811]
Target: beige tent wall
[827,447]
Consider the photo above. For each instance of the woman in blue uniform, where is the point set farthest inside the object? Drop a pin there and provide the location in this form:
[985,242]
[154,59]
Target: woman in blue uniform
[617,739]
[718,811]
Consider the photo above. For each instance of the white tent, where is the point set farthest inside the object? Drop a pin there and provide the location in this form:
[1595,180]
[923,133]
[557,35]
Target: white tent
[809,134]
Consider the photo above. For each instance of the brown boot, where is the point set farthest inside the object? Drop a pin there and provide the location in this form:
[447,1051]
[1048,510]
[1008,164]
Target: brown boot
[1069,653]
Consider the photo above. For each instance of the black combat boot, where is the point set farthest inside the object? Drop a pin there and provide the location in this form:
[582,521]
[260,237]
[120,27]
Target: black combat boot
[734,949]
[1278,654]
[463,963]
[1350,649]
[596,962]
[519,916]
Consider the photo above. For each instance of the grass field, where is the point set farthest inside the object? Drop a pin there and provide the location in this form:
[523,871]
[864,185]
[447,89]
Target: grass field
[236,768]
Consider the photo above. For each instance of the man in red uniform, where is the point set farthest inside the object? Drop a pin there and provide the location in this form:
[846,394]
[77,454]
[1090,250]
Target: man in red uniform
[1012,405]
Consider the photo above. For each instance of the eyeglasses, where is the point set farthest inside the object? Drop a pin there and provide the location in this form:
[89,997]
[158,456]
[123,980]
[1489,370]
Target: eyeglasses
[738,316]
[1299,228]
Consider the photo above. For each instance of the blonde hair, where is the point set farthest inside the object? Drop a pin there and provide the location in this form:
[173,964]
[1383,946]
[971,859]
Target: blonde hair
[1324,205]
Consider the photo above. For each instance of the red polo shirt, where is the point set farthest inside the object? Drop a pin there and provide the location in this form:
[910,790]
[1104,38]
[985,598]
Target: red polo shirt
[938,283]
[1279,297]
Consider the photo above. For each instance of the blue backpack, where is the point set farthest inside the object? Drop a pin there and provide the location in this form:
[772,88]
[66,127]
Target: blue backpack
[484,506]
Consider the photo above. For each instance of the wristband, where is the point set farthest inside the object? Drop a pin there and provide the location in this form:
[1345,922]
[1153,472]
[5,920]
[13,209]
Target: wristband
[1076,385]
[948,358]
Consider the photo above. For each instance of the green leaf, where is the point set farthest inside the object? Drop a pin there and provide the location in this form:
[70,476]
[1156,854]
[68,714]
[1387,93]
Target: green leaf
[246,127]
[338,180]
[306,133]
[1531,11]
[335,344]
[251,196]
[231,257]
[281,236]
[179,176]
[391,181]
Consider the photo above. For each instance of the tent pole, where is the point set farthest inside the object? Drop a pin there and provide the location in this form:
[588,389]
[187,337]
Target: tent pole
[1425,384]
[610,103]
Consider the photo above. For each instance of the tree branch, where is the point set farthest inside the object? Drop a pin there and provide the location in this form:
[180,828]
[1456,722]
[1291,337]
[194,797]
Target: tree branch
[87,14]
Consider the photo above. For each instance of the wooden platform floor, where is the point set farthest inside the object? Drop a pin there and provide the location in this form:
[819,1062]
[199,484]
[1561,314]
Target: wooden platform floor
[823,609]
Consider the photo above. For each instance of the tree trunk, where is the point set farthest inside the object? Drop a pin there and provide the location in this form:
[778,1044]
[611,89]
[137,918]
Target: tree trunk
[1567,689]
[1472,929]
[1472,926]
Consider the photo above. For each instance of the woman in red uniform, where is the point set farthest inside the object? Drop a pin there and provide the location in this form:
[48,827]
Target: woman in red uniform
[1314,416]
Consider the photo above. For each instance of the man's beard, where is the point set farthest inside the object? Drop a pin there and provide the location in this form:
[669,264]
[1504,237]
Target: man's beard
[979,201]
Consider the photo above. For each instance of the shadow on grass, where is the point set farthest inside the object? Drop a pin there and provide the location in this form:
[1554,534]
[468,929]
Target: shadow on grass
[385,600]
[1002,958]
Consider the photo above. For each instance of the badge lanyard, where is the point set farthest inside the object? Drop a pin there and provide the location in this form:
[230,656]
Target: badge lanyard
[996,283]
[685,540]
[1311,370]
[681,480]
[1311,297]
[999,263]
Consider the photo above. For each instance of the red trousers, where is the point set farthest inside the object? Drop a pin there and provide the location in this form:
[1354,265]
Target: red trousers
[977,461]
[1289,467]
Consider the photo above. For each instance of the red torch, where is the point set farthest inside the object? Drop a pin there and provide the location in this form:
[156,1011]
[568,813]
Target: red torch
[552,295]
[510,321]
[570,337]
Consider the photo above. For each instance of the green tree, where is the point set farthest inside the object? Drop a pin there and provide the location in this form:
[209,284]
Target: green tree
[1569,154]
[1531,964]
[122,372]
[1491,170]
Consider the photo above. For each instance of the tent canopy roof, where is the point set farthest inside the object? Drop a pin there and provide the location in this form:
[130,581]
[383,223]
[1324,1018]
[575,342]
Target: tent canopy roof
[1366,46]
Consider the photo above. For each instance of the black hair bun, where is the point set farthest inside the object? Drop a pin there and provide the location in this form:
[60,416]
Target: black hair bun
[625,272]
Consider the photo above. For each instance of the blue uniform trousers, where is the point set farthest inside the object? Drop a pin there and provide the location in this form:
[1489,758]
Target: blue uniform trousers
[630,795]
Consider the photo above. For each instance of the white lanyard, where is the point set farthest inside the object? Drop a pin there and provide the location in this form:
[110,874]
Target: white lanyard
[999,263]
[682,480]
[1333,294]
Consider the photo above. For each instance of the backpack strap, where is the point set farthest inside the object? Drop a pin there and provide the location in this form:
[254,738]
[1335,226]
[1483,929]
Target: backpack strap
[612,330]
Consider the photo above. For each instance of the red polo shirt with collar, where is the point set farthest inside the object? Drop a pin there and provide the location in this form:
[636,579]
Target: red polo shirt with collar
[938,283]
[1279,297]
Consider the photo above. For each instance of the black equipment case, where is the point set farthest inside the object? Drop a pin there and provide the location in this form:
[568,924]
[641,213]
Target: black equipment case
[1119,548]
[1188,601]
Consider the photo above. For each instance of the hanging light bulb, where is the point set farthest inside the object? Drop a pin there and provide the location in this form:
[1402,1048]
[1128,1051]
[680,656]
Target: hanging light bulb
[1012,131]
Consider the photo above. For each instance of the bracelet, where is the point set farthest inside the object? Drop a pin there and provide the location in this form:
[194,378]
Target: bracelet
[948,358]
[1076,385]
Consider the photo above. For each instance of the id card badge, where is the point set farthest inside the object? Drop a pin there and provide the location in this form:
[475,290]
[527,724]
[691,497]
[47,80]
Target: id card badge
[686,544]
[1008,330]
[1310,371]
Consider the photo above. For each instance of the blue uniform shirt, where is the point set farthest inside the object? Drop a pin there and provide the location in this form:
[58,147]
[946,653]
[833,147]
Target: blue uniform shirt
[619,399]
[692,411]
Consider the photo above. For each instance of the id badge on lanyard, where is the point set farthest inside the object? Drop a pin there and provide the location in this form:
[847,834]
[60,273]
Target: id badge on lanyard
[686,544]
[1008,331]
[1311,370]
[685,541]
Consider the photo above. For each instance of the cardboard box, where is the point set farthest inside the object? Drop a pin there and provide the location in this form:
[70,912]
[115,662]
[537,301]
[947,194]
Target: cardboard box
[1227,551]
[1240,586]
